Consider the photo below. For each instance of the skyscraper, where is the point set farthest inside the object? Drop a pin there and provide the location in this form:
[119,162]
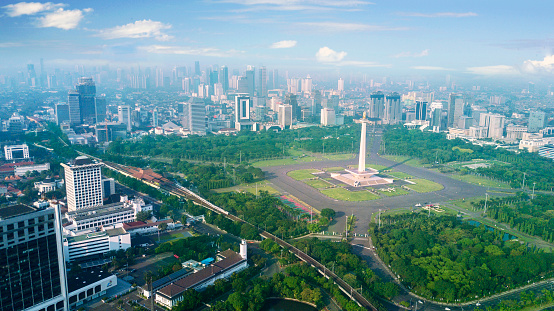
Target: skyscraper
[155,117]
[83,182]
[290,99]
[393,109]
[537,121]
[421,110]
[455,109]
[251,83]
[31,261]
[62,113]
[74,108]
[194,116]
[31,76]
[242,113]
[100,103]
[340,86]
[327,116]
[124,115]
[262,82]
[285,116]
[224,78]
[196,68]
[376,105]
[276,82]
[87,104]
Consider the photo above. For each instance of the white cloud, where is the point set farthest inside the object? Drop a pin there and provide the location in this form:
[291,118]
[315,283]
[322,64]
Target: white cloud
[410,54]
[342,27]
[139,29]
[493,70]
[30,8]
[539,66]
[63,19]
[184,50]
[439,14]
[358,63]
[298,5]
[285,44]
[10,44]
[436,68]
[88,10]
[326,55]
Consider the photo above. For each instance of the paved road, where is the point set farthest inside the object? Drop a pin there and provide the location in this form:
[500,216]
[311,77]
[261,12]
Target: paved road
[453,189]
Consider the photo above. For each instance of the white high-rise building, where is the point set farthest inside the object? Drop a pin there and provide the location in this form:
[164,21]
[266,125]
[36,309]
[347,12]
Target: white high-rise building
[494,123]
[455,109]
[393,109]
[341,85]
[377,105]
[74,108]
[124,115]
[83,182]
[328,116]
[285,115]
[242,112]
[307,85]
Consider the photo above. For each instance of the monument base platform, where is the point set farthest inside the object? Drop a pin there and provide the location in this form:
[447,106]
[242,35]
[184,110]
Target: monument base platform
[366,178]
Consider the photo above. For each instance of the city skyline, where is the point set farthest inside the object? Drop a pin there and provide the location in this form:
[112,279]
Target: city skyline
[476,39]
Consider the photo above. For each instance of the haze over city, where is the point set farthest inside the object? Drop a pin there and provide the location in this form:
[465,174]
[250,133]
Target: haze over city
[475,38]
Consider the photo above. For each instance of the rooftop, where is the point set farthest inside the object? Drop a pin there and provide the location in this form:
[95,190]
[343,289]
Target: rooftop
[85,278]
[15,210]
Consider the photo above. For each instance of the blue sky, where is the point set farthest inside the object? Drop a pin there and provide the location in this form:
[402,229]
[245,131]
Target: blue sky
[482,38]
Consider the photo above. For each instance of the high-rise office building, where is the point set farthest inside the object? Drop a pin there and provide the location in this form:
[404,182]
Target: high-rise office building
[285,116]
[155,120]
[251,83]
[87,103]
[393,109]
[421,110]
[455,109]
[196,68]
[100,102]
[340,86]
[242,113]
[276,82]
[74,108]
[83,183]
[376,105]
[62,113]
[307,85]
[262,82]
[224,78]
[194,116]
[290,99]
[327,116]
[494,123]
[270,82]
[436,116]
[124,115]
[31,75]
[31,260]
[537,121]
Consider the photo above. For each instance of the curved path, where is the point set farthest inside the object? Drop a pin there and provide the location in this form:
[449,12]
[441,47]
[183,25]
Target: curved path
[453,189]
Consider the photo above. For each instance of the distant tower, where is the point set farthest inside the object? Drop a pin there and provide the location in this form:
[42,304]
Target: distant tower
[377,105]
[74,109]
[224,78]
[243,249]
[285,116]
[87,103]
[196,68]
[251,82]
[262,82]
[537,121]
[242,112]
[393,109]
[341,85]
[421,110]
[155,117]
[124,115]
[62,113]
[455,109]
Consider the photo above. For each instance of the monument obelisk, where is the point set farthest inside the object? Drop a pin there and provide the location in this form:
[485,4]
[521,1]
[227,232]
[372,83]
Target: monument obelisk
[361,161]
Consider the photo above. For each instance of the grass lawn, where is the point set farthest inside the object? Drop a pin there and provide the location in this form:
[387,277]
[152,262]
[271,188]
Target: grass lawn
[478,180]
[399,175]
[342,156]
[287,161]
[249,188]
[345,195]
[334,169]
[424,185]
[296,153]
[302,174]
[389,212]
[317,183]
[398,191]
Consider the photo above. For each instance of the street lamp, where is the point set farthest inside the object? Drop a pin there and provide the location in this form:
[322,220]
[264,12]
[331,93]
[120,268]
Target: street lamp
[486,199]
[533,190]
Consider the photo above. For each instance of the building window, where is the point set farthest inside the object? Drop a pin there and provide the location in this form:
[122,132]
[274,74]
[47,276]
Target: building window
[81,295]
[97,289]
[73,299]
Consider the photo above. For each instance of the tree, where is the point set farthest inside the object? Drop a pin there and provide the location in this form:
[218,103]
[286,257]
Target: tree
[144,215]
[162,226]
[328,213]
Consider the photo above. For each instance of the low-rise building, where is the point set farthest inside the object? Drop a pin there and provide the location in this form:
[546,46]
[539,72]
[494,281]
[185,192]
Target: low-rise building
[48,185]
[87,285]
[547,151]
[94,244]
[145,228]
[230,262]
